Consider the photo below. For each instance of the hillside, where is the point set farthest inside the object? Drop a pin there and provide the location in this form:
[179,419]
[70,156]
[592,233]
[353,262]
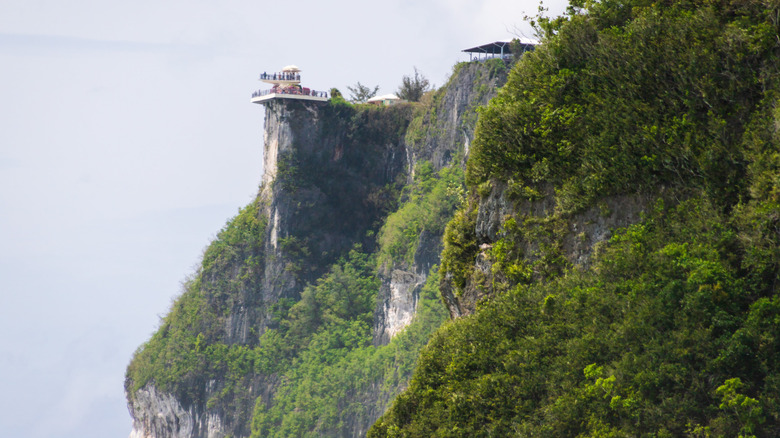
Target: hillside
[614,270]
[309,309]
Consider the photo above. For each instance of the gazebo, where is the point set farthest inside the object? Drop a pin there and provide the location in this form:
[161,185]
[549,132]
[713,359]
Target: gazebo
[500,49]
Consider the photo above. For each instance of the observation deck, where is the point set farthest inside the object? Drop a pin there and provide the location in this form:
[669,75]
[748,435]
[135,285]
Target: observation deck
[501,49]
[286,85]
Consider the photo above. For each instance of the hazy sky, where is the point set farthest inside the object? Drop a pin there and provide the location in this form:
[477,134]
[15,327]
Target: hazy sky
[127,140]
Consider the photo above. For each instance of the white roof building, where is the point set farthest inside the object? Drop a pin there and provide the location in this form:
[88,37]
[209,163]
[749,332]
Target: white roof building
[385,99]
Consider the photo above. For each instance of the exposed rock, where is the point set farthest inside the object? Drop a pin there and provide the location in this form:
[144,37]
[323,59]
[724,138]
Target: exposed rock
[322,174]
[169,419]
[577,240]
[437,136]
[449,126]
[398,297]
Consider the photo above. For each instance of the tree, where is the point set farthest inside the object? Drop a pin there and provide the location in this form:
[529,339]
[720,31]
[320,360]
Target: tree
[413,88]
[361,93]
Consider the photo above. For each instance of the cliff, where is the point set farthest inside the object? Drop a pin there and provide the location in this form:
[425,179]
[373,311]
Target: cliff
[305,316]
[614,269]
[439,136]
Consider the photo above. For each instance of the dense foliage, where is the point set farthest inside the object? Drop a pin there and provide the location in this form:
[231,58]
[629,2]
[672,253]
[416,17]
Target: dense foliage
[330,382]
[672,332]
[631,95]
[430,203]
[412,88]
[189,347]
[673,329]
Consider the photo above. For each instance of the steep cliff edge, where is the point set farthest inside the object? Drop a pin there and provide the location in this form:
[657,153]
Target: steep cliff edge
[291,312]
[325,188]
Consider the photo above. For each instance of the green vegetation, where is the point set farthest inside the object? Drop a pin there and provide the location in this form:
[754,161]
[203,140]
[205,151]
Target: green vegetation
[460,246]
[629,96]
[323,344]
[432,200]
[361,93]
[329,386]
[189,347]
[413,87]
[670,332]
[672,329]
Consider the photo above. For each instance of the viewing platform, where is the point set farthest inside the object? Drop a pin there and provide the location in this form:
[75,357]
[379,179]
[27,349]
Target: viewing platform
[286,85]
[500,49]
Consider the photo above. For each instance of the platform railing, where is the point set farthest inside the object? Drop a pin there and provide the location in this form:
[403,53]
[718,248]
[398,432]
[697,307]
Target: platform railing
[293,91]
[283,76]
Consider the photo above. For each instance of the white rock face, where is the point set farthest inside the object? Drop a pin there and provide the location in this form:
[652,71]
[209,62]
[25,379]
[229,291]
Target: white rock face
[159,415]
[164,415]
[401,305]
[277,138]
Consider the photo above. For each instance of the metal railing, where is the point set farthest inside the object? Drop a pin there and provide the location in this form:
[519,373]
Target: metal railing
[292,91]
[283,76]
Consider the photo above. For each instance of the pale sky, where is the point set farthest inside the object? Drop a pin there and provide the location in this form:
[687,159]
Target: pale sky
[127,140]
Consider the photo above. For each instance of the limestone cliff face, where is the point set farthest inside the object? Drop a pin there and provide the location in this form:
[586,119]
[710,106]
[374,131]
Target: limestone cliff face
[571,238]
[329,174]
[171,419]
[447,127]
[440,134]
[316,201]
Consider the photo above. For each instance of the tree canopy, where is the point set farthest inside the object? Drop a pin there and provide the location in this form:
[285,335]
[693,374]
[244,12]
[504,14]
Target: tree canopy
[361,93]
[672,327]
[413,87]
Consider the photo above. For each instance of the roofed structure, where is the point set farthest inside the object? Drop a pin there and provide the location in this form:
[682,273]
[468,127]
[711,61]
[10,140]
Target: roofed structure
[385,99]
[501,49]
[286,85]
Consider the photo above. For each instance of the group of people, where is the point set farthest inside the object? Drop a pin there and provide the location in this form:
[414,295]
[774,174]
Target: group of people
[290,90]
[283,76]
[286,89]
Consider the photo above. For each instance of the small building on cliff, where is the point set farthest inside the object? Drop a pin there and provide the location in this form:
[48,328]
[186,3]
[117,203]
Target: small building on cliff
[500,49]
[385,100]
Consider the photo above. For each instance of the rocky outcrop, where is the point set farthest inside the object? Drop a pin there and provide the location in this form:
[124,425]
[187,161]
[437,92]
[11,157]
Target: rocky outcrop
[437,135]
[170,419]
[329,175]
[446,129]
[398,303]
[323,164]
[573,236]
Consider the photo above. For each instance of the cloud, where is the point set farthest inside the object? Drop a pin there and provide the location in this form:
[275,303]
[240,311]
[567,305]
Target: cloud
[18,43]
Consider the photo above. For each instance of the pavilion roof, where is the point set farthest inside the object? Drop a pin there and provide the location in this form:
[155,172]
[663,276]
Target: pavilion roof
[497,46]
[383,97]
